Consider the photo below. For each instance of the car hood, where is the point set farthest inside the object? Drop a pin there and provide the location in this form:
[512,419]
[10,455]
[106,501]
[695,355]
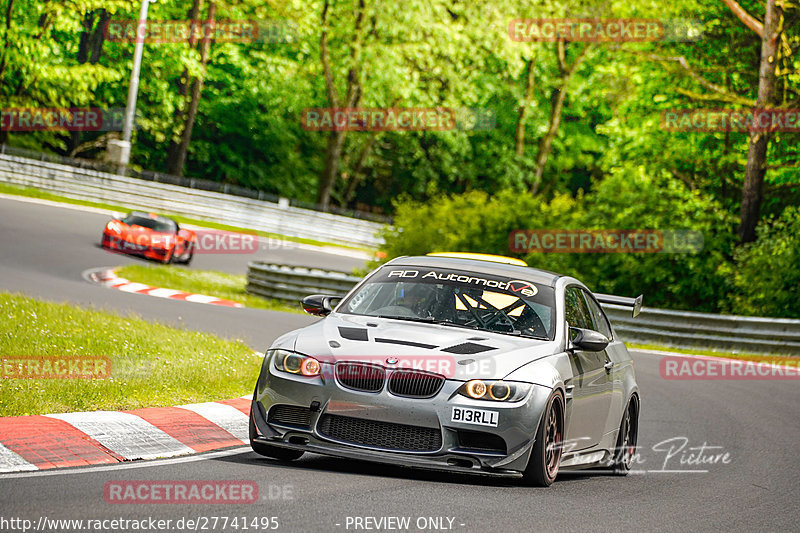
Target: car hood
[140,232]
[457,353]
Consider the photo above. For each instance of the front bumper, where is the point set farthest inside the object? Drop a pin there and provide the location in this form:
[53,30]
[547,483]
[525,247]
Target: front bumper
[118,244]
[323,395]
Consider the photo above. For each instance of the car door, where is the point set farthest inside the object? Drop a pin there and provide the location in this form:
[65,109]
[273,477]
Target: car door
[617,356]
[589,391]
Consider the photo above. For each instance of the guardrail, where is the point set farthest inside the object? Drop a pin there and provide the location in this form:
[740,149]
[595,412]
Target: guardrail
[247,213]
[294,283]
[681,329]
[101,165]
[730,333]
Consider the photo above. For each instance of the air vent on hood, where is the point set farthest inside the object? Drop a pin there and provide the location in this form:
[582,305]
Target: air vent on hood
[353,334]
[468,348]
[406,343]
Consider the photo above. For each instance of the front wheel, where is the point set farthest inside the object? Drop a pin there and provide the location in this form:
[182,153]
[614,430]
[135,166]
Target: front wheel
[545,457]
[282,454]
[190,256]
[625,450]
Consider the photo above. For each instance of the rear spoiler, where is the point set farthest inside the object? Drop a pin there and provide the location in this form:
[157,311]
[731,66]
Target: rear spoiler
[635,303]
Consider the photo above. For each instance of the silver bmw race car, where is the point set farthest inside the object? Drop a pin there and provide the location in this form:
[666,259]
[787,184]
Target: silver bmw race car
[459,362]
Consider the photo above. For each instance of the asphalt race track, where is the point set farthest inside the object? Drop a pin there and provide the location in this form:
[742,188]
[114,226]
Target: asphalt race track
[44,250]
[745,478]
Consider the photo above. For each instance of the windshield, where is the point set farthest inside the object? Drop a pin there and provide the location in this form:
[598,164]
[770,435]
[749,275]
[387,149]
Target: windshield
[155,224]
[458,299]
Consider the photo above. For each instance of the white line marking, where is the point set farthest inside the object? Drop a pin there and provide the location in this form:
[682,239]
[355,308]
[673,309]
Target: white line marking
[128,435]
[200,298]
[128,466]
[11,462]
[225,416]
[163,293]
[133,287]
[712,357]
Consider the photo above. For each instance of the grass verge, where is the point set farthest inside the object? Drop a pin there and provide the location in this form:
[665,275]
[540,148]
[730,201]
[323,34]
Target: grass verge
[208,282]
[151,364]
[777,359]
[29,192]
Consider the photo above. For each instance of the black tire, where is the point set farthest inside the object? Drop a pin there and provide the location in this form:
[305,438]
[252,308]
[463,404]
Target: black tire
[274,452]
[169,257]
[191,255]
[627,438]
[545,457]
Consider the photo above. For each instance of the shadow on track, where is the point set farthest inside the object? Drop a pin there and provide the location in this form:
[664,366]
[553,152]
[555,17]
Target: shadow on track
[353,467]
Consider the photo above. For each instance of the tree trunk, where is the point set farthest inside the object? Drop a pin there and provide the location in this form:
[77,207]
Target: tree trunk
[197,89]
[83,41]
[557,106]
[356,177]
[90,44]
[98,37]
[753,188]
[173,152]
[333,152]
[546,142]
[519,138]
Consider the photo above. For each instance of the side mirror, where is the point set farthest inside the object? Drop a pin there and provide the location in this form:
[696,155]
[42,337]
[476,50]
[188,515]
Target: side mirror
[586,339]
[320,304]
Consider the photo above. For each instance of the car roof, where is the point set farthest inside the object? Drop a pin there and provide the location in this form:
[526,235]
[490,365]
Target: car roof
[151,216]
[534,275]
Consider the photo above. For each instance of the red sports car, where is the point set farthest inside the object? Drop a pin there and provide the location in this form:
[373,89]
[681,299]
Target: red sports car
[150,235]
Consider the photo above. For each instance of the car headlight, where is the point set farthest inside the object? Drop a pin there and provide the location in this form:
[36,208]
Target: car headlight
[494,391]
[296,363]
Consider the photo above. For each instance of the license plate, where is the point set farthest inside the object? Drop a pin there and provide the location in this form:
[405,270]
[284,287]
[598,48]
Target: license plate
[475,416]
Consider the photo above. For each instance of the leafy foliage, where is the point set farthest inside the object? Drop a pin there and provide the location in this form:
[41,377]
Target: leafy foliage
[609,163]
[765,276]
[477,222]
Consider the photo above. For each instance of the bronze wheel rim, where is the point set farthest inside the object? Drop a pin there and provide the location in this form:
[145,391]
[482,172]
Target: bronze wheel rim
[628,436]
[553,438]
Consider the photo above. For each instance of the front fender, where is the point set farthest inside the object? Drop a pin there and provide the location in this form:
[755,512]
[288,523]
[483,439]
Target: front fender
[550,372]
